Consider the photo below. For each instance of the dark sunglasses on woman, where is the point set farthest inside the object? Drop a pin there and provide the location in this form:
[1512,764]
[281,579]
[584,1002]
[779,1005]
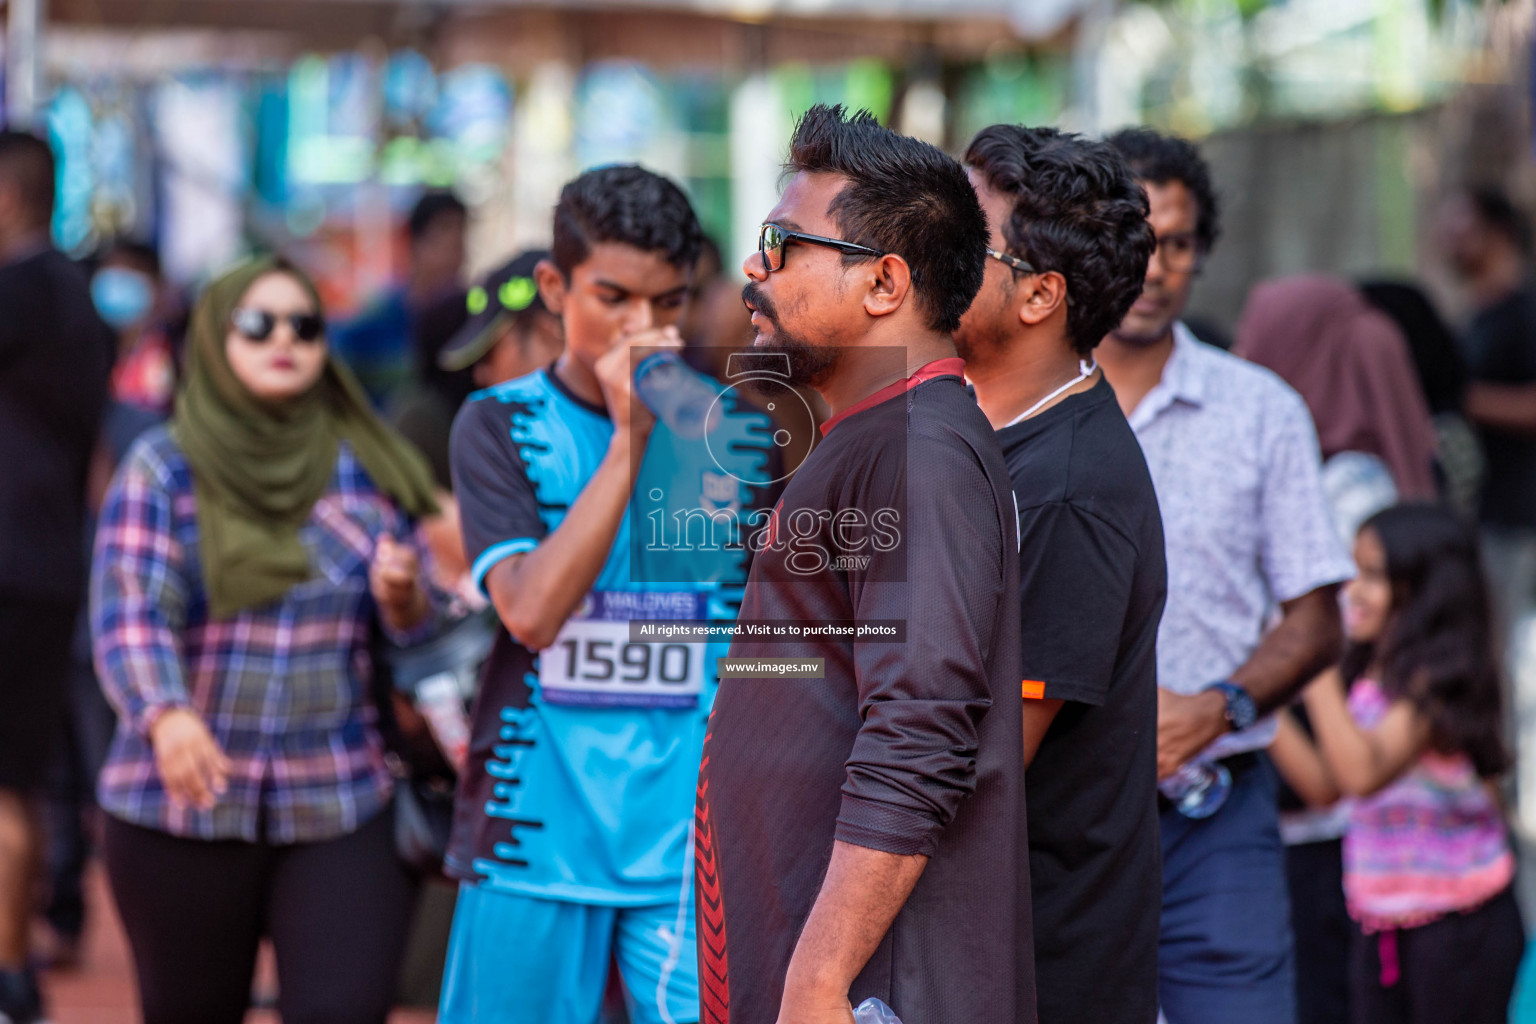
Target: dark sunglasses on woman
[257,324]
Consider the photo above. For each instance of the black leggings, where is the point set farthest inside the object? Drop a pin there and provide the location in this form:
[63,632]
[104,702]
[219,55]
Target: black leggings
[195,913]
[1459,969]
[1323,931]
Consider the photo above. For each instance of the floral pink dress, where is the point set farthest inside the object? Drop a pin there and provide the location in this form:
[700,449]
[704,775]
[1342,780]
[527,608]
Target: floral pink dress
[1432,843]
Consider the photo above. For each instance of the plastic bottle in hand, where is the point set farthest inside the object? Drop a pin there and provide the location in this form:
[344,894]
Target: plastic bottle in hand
[681,398]
[441,703]
[873,1011]
[1198,789]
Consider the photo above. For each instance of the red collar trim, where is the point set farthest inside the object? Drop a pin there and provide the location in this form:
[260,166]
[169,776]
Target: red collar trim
[953,366]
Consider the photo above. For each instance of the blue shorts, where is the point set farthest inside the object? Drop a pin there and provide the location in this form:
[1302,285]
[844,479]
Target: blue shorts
[520,960]
[1225,951]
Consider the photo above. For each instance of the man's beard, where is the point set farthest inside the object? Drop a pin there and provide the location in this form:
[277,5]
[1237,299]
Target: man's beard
[809,365]
[1146,336]
[985,331]
[1139,339]
[979,338]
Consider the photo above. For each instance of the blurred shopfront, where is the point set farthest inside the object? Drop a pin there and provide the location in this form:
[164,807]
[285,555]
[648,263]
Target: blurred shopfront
[212,126]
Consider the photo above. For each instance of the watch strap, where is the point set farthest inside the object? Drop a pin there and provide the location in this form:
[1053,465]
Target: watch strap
[1237,698]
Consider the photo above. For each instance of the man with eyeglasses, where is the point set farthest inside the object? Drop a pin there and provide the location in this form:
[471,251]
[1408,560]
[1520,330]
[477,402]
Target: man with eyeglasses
[1070,243]
[1234,458]
[860,826]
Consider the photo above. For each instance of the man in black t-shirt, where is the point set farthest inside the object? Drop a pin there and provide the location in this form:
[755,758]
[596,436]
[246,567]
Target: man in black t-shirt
[1068,252]
[1501,400]
[1488,243]
[861,832]
[55,358]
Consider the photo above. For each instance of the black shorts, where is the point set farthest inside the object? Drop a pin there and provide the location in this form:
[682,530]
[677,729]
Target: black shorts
[35,643]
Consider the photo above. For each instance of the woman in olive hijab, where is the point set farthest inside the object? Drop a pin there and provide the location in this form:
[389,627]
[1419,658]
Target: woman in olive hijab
[244,556]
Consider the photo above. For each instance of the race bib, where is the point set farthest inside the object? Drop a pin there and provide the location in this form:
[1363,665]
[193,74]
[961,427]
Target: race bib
[593,662]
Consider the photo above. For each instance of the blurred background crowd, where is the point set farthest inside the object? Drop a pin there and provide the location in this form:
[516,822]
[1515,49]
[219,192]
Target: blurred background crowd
[402,150]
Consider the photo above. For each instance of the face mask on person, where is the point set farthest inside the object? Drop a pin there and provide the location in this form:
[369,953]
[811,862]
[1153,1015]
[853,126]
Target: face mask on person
[123,297]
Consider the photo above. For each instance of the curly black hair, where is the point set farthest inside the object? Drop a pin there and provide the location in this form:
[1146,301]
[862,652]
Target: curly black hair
[904,197]
[1077,210]
[1437,651]
[1164,158]
[627,204]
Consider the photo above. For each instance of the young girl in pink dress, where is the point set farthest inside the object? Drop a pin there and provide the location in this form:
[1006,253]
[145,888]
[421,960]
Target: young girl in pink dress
[1408,727]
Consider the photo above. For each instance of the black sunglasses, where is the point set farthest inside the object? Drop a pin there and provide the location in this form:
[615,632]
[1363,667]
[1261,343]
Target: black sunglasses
[771,240]
[257,324]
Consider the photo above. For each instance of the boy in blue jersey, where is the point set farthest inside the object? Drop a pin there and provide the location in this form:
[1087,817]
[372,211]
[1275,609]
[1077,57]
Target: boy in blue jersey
[572,834]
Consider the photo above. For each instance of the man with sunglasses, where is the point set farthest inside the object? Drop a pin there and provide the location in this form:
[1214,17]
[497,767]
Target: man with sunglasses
[1070,244]
[1234,457]
[860,822]
[571,838]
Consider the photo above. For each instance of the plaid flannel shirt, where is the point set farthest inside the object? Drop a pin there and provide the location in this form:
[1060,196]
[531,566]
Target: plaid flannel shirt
[284,688]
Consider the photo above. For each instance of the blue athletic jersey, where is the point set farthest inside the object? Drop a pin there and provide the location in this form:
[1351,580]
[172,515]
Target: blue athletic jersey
[583,758]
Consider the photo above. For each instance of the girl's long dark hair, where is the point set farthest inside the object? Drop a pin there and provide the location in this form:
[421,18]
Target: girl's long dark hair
[1437,651]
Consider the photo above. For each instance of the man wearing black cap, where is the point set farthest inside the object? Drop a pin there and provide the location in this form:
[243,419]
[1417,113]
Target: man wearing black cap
[510,332]
[498,331]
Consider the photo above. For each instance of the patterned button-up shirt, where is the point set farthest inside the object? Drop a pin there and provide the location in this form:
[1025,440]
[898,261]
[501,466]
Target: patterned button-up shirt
[1236,465]
[284,688]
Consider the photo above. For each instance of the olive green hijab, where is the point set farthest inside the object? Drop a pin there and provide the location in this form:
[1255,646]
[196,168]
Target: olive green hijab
[259,467]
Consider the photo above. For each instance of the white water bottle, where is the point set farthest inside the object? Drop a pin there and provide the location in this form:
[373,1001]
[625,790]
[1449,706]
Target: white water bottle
[873,1011]
[441,703]
[1198,789]
[680,397]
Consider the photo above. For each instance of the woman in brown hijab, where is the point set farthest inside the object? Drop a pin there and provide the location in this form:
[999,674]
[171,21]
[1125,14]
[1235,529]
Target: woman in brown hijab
[1352,367]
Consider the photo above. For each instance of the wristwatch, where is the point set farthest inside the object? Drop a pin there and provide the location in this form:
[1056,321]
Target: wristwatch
[1241,710]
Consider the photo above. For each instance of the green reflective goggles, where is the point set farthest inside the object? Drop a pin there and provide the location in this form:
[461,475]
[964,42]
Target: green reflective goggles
[514,295]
